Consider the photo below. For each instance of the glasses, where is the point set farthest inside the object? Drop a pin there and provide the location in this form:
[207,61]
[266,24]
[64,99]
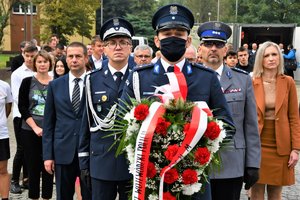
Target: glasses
[113,44]
[210,44]
[143,56]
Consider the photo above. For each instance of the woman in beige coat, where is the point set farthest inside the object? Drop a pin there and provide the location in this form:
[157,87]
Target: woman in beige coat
[278,121]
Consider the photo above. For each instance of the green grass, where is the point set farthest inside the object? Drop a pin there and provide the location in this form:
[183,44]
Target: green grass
[3,59]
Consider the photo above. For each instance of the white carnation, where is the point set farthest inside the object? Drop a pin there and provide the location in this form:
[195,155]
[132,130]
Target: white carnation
[132,128]
[130,153]
[191,189]
[129,115]
[153,197]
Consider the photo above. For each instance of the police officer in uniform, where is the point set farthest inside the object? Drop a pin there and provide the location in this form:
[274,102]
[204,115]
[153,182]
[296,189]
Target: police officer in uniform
[240,163]
[109,175]
[172,24]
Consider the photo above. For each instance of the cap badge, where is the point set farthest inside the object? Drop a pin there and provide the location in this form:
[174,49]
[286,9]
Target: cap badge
[104,98]
[217,24]
[173,10]
[116,22]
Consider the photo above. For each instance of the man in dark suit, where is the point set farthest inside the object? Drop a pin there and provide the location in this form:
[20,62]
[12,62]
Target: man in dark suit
[63,114]
[173,24]
[109,175]
[241,162]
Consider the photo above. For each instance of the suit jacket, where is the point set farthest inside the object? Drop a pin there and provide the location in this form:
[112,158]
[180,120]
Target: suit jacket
[246,152]
[101,161]
[287,125]
[61,123]
[92,64]
[203,85]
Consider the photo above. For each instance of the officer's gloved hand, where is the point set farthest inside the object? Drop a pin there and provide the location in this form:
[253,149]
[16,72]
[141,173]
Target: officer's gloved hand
[251,176]
[86,178]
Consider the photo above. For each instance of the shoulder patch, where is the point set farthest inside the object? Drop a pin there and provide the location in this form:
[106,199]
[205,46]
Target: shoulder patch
[146,66]
[201,66]
[239,70]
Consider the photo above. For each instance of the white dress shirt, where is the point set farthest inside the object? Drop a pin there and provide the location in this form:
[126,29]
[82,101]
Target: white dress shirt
[72,84]
[16,79]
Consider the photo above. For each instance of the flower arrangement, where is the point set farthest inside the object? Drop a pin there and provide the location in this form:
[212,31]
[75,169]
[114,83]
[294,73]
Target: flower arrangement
[169,147]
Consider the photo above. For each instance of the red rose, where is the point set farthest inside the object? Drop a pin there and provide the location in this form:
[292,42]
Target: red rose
[189,176]
[212,131]
[171,151]
[151,170]
[202,155]
[162,126]
[168,196]
[186,128]
[141,111]
[171,176]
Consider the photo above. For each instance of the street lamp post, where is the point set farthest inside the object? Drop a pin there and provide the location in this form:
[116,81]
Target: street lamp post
[209,14]
[198,16]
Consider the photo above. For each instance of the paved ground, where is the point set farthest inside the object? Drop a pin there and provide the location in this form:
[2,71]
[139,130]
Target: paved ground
[289,193]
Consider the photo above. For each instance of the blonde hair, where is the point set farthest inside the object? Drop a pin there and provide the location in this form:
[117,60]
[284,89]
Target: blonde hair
[258,68]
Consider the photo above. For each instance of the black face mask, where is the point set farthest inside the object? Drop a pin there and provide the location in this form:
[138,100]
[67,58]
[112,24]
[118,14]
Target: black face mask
[173,48]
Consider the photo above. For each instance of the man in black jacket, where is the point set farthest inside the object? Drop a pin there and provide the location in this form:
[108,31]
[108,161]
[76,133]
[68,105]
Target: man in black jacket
[19,59]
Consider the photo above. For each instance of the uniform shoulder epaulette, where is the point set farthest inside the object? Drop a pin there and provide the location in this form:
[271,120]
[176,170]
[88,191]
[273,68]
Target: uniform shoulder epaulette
[142,67]
[239,70]
[201,66]
[93,71]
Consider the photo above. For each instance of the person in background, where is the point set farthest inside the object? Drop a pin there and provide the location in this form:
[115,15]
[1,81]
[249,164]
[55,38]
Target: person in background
[59,51]
[290,56]
[231,59]
[191,54]
[243,57]
[60,68]
[157,56]
[89,49]
[5,108]
[62,117]
[17,76]
[18,60]
[32,99]
[95,60]
[278,122]
[34,41]
[252,54]
[53,41]
[246,46]
[142,54]
[240,163]
[281,46]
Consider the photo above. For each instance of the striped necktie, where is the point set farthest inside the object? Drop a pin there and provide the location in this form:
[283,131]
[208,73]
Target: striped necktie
[76,95]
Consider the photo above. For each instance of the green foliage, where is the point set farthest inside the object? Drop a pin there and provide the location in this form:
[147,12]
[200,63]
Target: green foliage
[5,9]
[64,17]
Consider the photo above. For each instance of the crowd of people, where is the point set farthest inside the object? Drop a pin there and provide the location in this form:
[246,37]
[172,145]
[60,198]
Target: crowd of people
[64,100]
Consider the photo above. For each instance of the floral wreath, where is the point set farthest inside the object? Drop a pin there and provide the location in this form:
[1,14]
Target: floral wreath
[169,145]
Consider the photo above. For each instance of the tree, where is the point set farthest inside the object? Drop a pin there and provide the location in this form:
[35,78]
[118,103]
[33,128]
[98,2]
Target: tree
[269,11]
[5,10]
[64,17]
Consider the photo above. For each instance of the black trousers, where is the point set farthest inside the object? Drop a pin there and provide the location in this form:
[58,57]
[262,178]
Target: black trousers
[229,189]
[108,190]
[65,177]
[18,161]
[35,165]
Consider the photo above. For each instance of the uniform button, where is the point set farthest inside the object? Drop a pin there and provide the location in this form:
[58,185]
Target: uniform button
[92,152]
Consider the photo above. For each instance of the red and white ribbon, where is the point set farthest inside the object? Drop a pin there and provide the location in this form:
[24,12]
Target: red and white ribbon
[197,128]
[142,150]
[177,87]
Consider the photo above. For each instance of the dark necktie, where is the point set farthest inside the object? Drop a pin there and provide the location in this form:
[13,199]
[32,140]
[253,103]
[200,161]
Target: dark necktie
[76,95]
[170,69]
[119,78]
[173,69]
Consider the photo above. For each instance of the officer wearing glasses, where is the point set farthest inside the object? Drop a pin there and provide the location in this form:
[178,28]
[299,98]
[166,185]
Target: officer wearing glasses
[109,175]
[173,24]
[142,55]
[240,163]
